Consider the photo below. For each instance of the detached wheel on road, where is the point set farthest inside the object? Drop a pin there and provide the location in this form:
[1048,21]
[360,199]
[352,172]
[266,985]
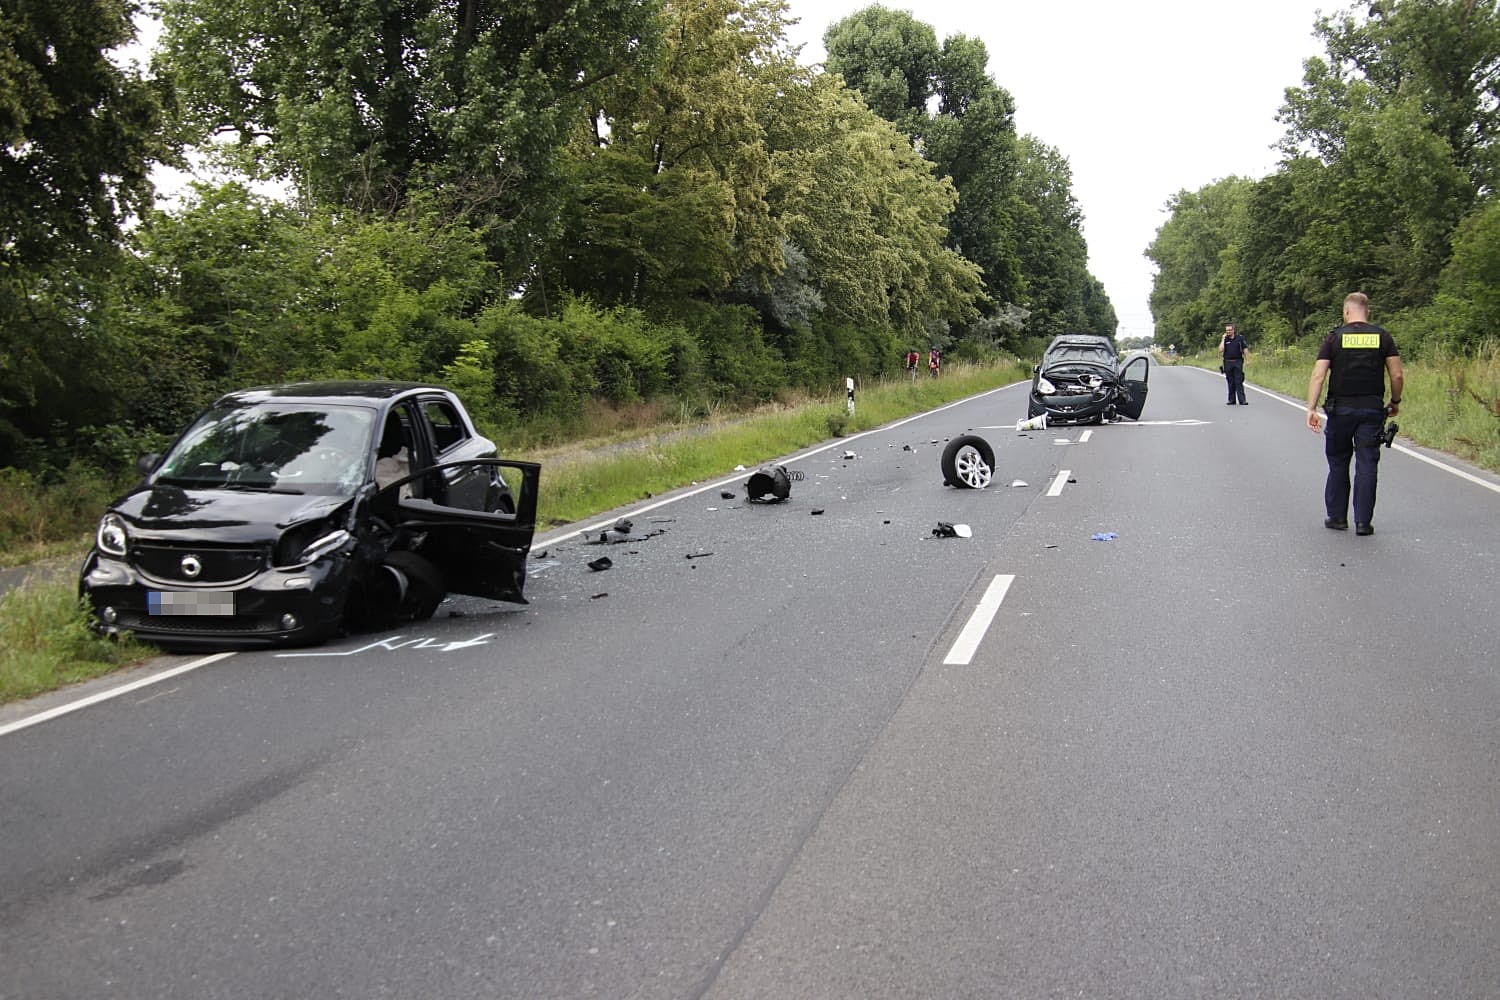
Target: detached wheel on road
[969,462]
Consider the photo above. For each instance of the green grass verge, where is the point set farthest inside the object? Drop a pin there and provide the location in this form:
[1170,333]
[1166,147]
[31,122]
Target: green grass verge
[45,642]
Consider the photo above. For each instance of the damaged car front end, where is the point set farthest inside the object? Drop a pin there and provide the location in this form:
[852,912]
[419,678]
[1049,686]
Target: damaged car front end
[1082,380]
[270,521]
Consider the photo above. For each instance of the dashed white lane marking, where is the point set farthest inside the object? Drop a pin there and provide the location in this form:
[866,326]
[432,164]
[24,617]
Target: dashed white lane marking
[1055,490]
[1084,437]
[964,648]
[73,706]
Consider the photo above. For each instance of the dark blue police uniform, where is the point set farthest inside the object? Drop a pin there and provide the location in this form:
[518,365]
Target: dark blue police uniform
[1355,406]
[1234,367]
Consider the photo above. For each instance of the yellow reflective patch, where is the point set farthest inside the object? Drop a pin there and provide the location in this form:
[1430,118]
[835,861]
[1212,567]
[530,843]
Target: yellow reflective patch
[1361,340]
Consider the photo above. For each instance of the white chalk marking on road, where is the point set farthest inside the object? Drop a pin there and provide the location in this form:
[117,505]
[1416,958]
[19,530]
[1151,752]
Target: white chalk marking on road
[1055,490]
[964,648]
[73,706]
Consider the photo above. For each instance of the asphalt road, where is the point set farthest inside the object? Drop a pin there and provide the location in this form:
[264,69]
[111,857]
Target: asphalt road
[778,753]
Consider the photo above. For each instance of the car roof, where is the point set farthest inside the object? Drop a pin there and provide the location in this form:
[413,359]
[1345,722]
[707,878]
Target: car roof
[347,391]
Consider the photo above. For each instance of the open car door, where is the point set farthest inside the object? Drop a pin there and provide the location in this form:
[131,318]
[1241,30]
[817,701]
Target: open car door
[476,519]
[1133,377]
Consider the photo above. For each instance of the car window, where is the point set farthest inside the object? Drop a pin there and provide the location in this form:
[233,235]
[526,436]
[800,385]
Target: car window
[448,428]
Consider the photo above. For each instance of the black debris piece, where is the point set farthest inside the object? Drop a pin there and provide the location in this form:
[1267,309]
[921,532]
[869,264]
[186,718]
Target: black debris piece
[595,597]
[770,484]
[601,564]
[698,555]
[728,495]
[539,555]
[945,529]
[817,511]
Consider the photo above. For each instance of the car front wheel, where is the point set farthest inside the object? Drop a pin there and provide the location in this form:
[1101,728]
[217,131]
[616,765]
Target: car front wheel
[969,462]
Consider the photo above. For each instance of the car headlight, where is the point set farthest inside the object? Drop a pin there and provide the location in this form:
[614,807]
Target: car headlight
[1046,388]
[331,542]
[112,538]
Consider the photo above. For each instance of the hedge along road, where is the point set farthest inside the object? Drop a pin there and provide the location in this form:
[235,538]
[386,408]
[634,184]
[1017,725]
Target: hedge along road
[1226,750]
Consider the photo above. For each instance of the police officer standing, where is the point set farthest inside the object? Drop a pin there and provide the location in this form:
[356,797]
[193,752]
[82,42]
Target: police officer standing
[1233,350]
[1355,358]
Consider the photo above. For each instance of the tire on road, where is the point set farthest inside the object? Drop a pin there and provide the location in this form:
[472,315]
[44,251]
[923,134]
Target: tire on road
[424,587]
[969,462]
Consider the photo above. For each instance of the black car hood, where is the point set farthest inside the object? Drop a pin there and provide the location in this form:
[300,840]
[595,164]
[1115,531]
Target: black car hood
[228,516]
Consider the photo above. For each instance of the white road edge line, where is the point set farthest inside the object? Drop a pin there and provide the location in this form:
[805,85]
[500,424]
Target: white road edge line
[94,699]
[1055,490]
[962,653]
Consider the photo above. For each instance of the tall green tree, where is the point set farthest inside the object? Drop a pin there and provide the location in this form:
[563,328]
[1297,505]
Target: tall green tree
[944,99]
[1195,292]
[78,134]
[359,104]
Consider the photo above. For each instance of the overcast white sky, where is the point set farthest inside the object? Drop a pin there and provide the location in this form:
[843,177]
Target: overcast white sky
[1144,100]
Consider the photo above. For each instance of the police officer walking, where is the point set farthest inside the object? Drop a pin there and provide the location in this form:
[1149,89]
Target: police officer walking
[1355,358]
[1233,349]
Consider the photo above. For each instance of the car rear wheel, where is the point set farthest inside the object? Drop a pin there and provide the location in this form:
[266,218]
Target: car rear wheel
[422,586]
[969,462]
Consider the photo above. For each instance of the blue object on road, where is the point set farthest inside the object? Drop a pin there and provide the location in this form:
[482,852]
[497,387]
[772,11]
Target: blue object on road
[1105,536]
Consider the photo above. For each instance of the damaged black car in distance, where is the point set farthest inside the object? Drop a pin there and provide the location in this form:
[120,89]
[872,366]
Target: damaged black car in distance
[1081,380]
[285,514]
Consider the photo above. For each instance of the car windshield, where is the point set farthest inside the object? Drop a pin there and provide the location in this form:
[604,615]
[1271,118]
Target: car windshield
[1080,352]
[276,446]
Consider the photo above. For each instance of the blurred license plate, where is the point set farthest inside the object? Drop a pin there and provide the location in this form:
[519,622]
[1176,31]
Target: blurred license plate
[168,602]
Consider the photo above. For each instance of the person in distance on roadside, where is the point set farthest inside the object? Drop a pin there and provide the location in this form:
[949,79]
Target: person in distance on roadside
[1232,349]
[1356,360]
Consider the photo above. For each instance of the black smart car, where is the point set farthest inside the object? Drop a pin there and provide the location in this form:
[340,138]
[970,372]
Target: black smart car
[1082,380]
[285,514]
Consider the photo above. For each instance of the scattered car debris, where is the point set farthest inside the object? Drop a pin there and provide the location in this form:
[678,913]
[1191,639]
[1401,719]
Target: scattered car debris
[906,447]
[698,555]
[816,511]
[1036,423]
[601,564]
[1019,483]
[849,456]
[727,494]
[1072,479]
[946,529]
[595,597]
[1104,536]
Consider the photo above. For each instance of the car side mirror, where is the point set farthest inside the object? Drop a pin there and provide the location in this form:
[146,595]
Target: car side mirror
[147,463]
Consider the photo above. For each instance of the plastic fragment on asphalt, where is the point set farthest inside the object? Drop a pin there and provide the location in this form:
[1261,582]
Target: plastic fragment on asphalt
[1104,536]
[595,597]
[1072,479]
[727,495]
[849,456]
[697,555]
[1019,482]
[816,511]
[1037,423]
[945,529]
[601,564]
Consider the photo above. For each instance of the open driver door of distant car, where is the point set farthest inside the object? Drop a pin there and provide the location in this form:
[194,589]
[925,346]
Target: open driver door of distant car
[1131,399]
